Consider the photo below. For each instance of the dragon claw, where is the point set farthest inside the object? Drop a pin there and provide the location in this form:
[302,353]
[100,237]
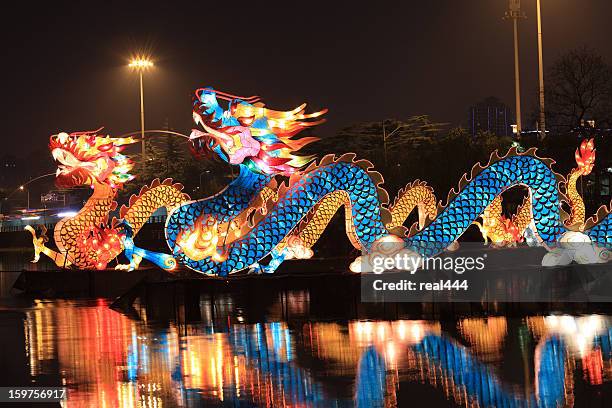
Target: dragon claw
[38,242]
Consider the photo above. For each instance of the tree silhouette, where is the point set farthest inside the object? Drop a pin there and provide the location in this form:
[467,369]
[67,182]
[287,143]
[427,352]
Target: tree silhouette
[578,88]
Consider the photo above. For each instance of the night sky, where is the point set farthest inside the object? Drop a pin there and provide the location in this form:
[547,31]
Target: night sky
[65,69]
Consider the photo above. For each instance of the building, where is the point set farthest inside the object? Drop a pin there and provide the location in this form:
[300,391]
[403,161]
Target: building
[491,115]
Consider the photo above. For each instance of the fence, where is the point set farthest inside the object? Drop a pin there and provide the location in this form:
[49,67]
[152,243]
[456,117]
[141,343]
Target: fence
[19,225]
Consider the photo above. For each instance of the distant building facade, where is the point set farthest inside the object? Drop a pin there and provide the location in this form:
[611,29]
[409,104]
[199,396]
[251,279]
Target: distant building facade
[491,115]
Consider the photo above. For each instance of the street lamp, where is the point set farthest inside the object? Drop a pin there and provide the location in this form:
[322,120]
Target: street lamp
[141,64]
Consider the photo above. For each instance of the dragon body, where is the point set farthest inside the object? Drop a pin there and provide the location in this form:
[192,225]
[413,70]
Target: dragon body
[502,231]
[262,215]
[280,203]
[88,240]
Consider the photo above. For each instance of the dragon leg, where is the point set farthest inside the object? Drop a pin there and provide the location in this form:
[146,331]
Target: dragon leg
[523,217]
[135,254]
[277,258]
[59,259]
[483,231]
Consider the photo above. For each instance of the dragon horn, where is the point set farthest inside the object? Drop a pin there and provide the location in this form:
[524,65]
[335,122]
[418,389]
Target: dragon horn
[87,132]
[120,141]
[228,96]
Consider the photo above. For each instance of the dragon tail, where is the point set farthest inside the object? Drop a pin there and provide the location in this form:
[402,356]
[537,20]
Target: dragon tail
[585,160]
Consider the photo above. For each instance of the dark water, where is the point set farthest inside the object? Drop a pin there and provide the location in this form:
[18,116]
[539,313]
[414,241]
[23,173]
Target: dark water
[181,345]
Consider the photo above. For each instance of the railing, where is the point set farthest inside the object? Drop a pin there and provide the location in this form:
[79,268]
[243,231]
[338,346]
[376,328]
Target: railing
[18,226]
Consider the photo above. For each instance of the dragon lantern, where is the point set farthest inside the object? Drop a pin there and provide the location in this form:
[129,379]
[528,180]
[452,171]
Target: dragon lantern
[88,240]
[281,202]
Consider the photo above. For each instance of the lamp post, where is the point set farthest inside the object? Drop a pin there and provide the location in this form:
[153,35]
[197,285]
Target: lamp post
[141,64]
[542,124]
[514,13]
[28,191]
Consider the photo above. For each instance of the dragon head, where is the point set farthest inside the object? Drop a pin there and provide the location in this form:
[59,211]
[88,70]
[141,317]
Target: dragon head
[86,158]
[248,133]
[585,156]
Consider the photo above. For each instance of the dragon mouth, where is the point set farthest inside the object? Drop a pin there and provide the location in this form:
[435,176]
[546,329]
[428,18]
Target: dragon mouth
[67,162]
[70,170]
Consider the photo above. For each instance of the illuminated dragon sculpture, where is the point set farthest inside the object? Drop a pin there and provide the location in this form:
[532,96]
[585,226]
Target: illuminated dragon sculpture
[261,216]
[87,240]
[256,216]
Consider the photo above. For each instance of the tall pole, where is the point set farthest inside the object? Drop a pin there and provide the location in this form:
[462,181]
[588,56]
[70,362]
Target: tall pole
[517,79]
[141,64]
[542,124]
[515,13]
[142,128]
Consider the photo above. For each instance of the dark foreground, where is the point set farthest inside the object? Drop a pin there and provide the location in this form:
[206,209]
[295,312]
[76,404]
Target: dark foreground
[151,339]
[176,345]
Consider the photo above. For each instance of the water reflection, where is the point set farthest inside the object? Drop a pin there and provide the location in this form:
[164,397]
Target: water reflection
[106,358]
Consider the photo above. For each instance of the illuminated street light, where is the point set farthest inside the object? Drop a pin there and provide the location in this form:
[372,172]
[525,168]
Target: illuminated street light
[141,64]
[23,188]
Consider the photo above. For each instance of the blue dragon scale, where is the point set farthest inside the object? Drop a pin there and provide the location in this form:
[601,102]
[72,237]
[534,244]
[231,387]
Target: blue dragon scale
[259,215]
